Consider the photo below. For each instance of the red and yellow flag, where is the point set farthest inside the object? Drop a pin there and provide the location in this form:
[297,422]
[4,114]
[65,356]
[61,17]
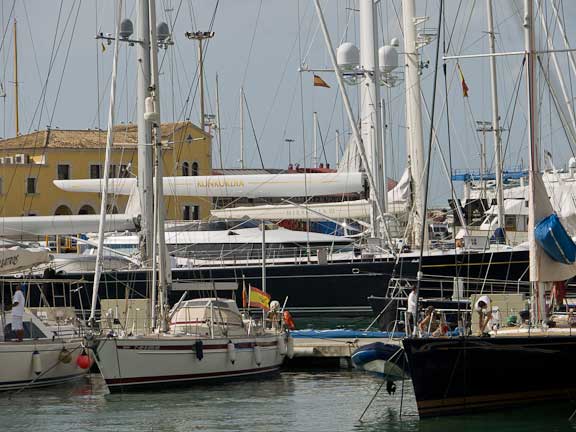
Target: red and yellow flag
[258,298]
[464,85]
[319,82]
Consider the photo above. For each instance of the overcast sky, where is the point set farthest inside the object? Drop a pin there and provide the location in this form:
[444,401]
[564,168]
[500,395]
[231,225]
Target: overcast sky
[259,44]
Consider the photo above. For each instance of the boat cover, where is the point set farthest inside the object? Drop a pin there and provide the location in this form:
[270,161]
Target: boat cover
[344,333]
[553,238]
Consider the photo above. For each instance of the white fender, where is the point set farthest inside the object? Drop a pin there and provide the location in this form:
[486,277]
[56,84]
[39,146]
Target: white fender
[257,355]
[282,348]
[36,363]
[231,352]
[290,347]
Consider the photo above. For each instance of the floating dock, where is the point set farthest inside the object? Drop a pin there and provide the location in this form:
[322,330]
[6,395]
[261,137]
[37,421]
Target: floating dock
[332,350]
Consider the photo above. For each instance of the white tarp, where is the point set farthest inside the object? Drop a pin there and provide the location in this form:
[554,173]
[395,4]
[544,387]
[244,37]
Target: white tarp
[250,186]
[17,258]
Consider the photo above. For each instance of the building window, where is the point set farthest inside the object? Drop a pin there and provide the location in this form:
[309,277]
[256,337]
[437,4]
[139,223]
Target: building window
[31,183]
[1,186]
[95,171]
[63,172]
[185,169]
[124,171]
[194,170]
[191,212]
[86,210]
[63,210]
[113,169]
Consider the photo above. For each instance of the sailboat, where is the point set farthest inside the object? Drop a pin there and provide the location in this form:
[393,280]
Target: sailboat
[51,350]
[466,374]
[200,339]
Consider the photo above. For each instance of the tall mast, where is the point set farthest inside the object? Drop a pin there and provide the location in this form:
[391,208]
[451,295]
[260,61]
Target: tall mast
[414,117]
[496,119]
[145,150]
[538,304]
[370,112]
[109,143]
[242,127]
[16,106]
[154,117]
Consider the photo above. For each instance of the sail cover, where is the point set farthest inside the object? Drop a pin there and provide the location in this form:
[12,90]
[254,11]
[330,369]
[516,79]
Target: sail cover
[553,238]
[17,258]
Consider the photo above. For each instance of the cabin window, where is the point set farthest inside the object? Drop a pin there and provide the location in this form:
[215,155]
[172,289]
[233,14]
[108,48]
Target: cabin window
[63,172]
[95,171]
[31,183]
[185,169]
[195,168]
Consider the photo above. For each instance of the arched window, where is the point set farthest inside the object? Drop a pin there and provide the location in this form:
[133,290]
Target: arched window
[86,210]
[185,169]
[63,210]
[194,169]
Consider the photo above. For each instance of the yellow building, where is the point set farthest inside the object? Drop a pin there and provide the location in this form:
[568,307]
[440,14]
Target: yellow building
[29,164]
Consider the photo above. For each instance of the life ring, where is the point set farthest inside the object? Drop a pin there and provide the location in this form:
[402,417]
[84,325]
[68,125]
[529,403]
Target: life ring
[289,321]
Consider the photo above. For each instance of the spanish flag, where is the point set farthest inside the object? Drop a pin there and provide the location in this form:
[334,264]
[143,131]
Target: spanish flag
[319,82]
[464,85]
[258,298]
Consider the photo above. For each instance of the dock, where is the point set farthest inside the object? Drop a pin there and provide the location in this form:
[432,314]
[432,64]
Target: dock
[333,353]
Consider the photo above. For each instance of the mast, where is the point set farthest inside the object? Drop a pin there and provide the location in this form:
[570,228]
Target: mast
[153,102]
[263,256]
[337,160]
[16,105]
[107,157]
[145,150]
[537,289]
[414,118]
[369,111]
[242,127]
[315,142]
[495,119]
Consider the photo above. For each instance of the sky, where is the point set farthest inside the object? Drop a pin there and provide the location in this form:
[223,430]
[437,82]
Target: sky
[259,45]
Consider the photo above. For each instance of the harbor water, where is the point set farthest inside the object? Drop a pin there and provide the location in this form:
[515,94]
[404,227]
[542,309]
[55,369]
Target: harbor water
[292,401]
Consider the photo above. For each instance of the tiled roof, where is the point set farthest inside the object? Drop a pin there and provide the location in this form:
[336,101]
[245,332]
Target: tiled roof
[125,135]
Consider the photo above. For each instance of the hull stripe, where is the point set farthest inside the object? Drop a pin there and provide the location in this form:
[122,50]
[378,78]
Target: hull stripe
[190,377]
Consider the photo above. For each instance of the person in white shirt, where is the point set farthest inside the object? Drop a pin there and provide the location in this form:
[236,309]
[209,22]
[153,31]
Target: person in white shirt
[411,311]
[18,302]
[484,308]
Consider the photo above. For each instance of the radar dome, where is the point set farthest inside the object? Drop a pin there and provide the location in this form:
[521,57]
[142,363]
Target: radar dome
[572,162]
[348,56]
[126,29]
[387,58]
[162,31]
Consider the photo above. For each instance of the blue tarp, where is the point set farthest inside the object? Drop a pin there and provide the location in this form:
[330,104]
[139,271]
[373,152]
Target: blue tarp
[553,238]
[344,333]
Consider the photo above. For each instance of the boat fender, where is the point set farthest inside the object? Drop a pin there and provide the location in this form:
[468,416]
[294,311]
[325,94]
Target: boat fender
[231,352]
[199,348]
[289,321]
[65,356]
[257,355]
[282,344]
[36,363]
[290,347]
[83,360]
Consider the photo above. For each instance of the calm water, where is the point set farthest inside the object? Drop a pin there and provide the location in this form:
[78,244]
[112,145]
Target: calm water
[294,401]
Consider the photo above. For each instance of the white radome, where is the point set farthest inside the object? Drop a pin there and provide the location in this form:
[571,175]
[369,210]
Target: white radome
[348,56]
[387,58]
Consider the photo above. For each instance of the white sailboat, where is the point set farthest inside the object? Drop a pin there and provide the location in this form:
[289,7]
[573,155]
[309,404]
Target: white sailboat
[201,339]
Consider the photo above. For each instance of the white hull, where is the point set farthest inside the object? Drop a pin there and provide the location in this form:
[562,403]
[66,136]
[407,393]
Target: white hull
[128,363]
[17,365]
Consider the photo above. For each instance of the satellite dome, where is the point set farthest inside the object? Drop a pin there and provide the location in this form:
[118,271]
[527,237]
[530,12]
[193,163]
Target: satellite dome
[126,29]
[387,58]
[348,56]
[572,162]
[162,31]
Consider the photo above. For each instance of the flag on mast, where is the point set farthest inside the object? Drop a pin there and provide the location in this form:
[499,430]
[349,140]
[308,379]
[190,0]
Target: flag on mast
[319,82]
[258,298]
[465,88]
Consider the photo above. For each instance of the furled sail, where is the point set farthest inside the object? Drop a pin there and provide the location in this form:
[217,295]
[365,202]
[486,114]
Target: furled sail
[250,186]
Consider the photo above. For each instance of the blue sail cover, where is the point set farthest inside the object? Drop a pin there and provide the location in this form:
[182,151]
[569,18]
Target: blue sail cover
[553,238]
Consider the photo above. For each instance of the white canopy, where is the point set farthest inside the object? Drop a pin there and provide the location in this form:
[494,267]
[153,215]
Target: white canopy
[17,258]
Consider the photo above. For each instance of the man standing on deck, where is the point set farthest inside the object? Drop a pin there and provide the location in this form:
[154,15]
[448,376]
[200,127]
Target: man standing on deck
[18,302]
[411,312]
[484,308]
